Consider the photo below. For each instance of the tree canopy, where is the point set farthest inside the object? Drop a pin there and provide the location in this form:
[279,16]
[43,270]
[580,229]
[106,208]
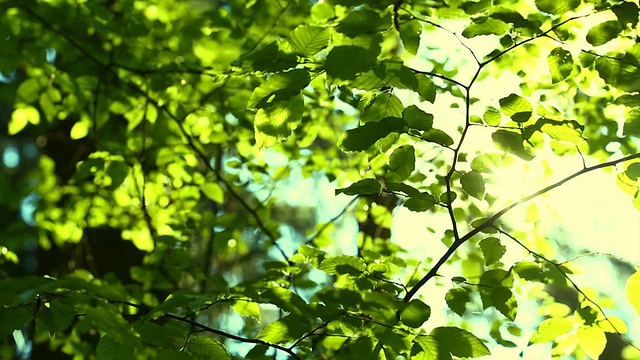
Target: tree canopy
[220,179]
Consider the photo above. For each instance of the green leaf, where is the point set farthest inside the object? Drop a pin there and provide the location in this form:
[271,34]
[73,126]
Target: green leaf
[633,171]
[432,349]
[619,70]
[203,347]
[172,355]
[516,107]
[630,100]
[279,87]
[410,36]
[13,319]
[109,348]
[560,64]
[460,342]
[564,130]
[415,313]
[363,137]
[402,162]
[438,136]
[592,340]
[488,162]
[343,264]
[275,123]
[247,308]
[21,117]
[627,13]
[473,184]
[485,26]
[363,21]
[28,91]
[557,7]
[530,271]
[214,192]
[448,197]
[417,119]
[457,299]
[504,300]
[406,189]
[551,329]
[632,289]
[269,58]
[345,62]
[492,250]
[604,32]
[492,117]
[309,40]
[420,203]
[382,106]
[362,187]
[512,142]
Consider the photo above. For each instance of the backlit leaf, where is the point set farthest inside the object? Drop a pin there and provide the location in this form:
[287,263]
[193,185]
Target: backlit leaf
[382,106]
[309,40]
[21,117]
[415,313]
[473,184]
[361,187]
[457,299]
[275,123]
[557,7]
[363,21]
[344,264]
[410,35]
[485,26]
[550,329]
[362,137]
[516,107]
[438,136]
[203,347]
[460,342]
[604,32]
[560,64]
[512,142]
[402,162]
[592,340]
[279,87]
[419,203]
[504,300]
[492,250]
[345,62]
[633,290]
[417,119]
[488,162]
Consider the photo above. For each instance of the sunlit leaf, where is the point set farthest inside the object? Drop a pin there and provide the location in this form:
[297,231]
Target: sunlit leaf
[550,329]
[363,21]
[504,300]
[488,162]
[247,308]
[592,340]
[21,117]
[633,290]
[203,347]
[214,192]
[516,107]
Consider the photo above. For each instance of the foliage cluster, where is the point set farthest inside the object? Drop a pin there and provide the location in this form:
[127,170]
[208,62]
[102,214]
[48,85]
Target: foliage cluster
[142,220]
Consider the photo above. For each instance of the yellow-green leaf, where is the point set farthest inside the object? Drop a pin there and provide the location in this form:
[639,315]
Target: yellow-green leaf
[21,117]
[592,340]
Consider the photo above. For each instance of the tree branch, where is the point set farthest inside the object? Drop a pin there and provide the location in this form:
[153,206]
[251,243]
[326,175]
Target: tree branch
[489,222]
